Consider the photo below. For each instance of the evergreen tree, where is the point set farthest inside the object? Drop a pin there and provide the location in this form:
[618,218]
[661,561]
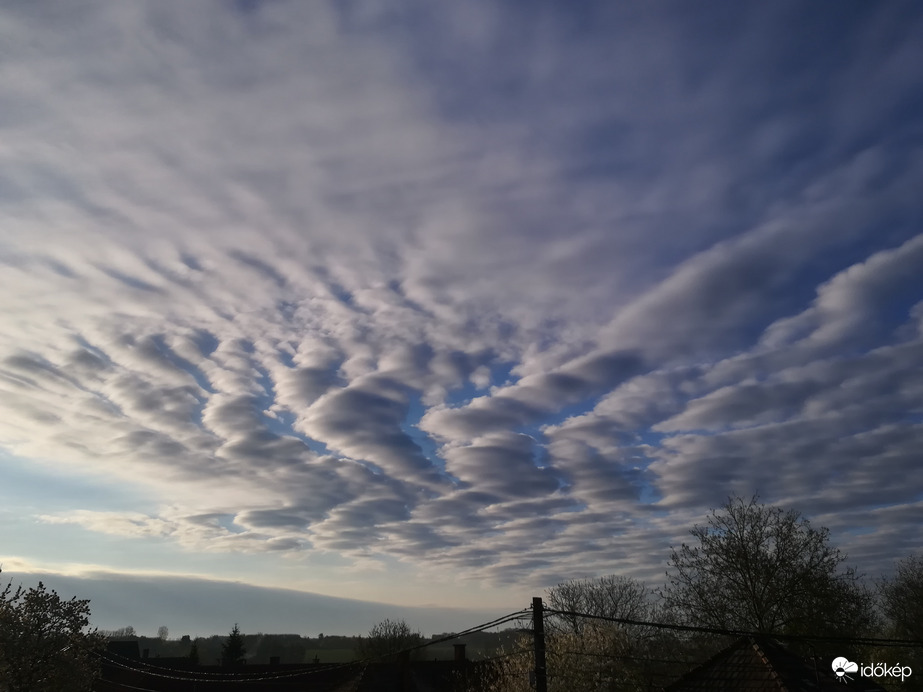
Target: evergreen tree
[233,652]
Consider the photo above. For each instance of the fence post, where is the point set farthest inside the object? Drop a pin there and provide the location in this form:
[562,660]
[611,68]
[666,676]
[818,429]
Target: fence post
[538,628]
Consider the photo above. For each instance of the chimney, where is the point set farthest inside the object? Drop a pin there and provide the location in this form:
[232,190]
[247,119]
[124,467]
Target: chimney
[459,652]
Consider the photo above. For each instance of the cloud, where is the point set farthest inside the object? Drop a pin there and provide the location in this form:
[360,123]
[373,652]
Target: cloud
[396,285]
[501,463]
[823,431]
[364,421]
[860,304]
[198,605]
[534,397]
[114,523]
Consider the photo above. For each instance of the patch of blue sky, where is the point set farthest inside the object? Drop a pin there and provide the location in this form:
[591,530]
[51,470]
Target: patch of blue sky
[286,358]
[62,543]
[35,487]
[282,425]
[463,395]
[266,398]
[206,342]
[226,522]
[579,408]
[99,353]
[340,293]
[887,234]
[182,364]
[649,437]
[411,428]
[281,422]
[895,312]
[500,374]
[650,495]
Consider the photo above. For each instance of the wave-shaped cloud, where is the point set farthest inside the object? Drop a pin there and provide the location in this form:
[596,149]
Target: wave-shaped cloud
[392,286]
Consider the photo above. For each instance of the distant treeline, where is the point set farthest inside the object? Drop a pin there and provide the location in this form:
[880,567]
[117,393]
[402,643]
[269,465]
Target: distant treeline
[293,648]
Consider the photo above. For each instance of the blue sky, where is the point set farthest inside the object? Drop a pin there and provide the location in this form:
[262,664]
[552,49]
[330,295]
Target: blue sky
[443,305]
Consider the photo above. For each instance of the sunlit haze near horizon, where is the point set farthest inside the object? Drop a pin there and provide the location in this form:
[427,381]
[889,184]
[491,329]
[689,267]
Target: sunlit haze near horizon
[436,305]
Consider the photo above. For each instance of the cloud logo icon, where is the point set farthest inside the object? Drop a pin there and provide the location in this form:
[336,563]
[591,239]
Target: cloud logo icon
[841,666]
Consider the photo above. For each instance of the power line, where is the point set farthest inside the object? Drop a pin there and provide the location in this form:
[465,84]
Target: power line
[122,685]
[157,668]
[243,677]
[510,617]
[518,615]
[208,676]
[870,641]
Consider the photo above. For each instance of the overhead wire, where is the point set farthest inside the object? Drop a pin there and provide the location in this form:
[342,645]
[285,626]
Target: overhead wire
[118,686]
[164,672]
[241,677]
[872,641]
[205,676]
[309,668]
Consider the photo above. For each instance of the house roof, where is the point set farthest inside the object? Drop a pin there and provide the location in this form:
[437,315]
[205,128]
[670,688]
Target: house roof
[763,665]
[126,649]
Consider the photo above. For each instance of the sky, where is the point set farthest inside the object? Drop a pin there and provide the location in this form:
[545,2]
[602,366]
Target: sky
[438,305]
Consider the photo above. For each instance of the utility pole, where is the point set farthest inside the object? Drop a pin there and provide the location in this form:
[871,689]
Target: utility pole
[538,628]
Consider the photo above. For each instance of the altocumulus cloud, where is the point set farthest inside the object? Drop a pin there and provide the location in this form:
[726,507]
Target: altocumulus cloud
[396,284]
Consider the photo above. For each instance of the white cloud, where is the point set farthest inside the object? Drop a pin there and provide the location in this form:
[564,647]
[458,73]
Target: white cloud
[273,266]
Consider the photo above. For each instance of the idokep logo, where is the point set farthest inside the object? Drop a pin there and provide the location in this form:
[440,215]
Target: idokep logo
[842,667]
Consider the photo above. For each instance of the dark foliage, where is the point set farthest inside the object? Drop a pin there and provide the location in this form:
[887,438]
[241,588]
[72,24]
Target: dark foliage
[759,568]
[233,651]
[45,644]
[387,638]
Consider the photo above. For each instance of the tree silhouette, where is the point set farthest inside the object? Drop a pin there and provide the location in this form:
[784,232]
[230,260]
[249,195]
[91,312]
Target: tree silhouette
[902,605]
[629,656]
[44,642]
[609,596]
[233,652]
[387,638]
[902,599]
[758,567]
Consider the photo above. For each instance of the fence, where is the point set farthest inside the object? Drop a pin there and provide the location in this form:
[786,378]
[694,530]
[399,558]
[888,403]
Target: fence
[568,651]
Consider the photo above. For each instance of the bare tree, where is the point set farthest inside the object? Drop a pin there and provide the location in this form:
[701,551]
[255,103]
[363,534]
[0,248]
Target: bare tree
[163,633]
[386,638]
[121,633]
[610,596]
[592,640]
[758,567]
[597,658]
[902,599]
